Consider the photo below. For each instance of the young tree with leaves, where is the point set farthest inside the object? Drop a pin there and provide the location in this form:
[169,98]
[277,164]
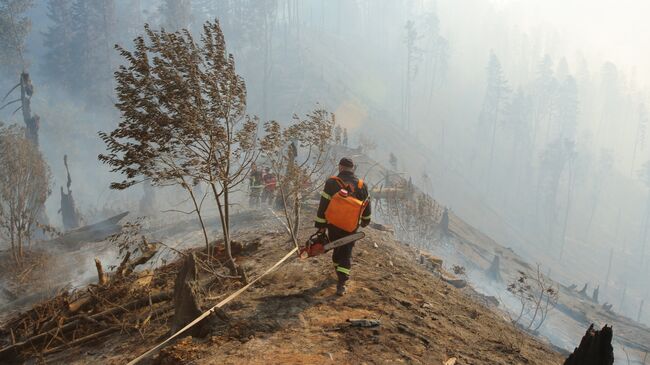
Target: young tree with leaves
[184,118]
[299,156]
[24,187]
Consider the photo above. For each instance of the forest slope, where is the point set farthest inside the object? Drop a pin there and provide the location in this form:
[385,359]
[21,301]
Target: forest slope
[293,316]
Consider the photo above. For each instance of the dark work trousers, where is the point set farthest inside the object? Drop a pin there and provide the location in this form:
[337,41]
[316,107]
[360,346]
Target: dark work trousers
[341,256]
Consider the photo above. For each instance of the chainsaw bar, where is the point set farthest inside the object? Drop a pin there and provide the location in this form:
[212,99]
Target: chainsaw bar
[344,241]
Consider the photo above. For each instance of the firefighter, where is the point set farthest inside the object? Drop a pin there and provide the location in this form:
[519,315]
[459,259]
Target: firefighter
[255,185]
[269,181]
[342,256]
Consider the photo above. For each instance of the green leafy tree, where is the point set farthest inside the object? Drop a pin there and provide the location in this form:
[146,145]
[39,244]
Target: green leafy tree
[184,118]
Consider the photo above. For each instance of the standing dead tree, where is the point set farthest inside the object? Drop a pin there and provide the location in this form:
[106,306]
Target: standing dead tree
[184,119]
[299,156]
[32,122]
[15,27]
[69,213]
[24,187]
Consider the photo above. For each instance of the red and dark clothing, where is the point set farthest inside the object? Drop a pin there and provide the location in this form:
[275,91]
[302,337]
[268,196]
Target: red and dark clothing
[342,256]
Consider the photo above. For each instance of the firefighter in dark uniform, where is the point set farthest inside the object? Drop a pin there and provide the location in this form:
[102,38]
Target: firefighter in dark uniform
[342,256]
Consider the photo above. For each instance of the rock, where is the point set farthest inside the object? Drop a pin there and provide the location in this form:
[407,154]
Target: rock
[430,262]
[382,227]
[365,323]
[455,282]
[450,361]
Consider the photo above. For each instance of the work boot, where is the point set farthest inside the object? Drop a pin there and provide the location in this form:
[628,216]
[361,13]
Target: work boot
[340,289]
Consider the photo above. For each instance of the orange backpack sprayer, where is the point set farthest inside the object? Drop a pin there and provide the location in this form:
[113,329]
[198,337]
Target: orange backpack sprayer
[344,210]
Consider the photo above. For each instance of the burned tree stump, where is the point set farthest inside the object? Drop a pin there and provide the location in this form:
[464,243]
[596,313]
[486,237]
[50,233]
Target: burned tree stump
[595,348]
[494,272]
[444,222]
[69,213]
[187,300]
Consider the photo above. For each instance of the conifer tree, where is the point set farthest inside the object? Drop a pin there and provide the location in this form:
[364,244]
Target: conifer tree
[94,29]
[59,41]
[495,101]
[14,27]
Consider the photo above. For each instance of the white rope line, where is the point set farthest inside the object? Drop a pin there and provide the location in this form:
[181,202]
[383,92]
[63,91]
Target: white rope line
[211,310]
[281,221]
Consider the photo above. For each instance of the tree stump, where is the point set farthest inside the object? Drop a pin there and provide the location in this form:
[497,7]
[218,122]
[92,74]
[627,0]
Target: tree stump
[494,272]
[187,300]
[444,222]
[595,348]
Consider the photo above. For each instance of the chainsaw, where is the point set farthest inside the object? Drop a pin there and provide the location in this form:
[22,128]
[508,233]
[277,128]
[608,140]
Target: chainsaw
[319,243]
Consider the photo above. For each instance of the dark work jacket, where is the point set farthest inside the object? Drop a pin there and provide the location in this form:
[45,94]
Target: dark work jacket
[332,187]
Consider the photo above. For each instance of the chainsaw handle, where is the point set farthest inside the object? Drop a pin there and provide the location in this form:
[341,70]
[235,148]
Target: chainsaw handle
[318,235]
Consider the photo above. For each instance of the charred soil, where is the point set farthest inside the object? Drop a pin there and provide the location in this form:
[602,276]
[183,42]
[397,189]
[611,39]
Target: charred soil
[293,316]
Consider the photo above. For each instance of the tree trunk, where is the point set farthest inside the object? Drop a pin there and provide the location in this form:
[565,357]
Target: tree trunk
[566,212]
[187,299]
[494,272]
[224,226]
[609,267]
[645,229]
[200,216]
[595,348]
[593,212]
[494,139]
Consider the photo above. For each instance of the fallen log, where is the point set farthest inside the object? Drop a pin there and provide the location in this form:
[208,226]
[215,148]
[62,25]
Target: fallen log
[72,240]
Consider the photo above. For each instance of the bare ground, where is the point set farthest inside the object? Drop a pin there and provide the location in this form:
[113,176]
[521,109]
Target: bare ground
[293,317]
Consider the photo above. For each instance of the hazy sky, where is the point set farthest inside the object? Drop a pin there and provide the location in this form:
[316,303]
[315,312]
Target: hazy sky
[614,30]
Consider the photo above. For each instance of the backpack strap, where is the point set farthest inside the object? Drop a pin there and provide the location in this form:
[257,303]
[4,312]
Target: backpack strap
[343,185]
[338,181]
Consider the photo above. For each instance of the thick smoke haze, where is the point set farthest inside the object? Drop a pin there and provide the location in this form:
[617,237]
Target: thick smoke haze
[529,119]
